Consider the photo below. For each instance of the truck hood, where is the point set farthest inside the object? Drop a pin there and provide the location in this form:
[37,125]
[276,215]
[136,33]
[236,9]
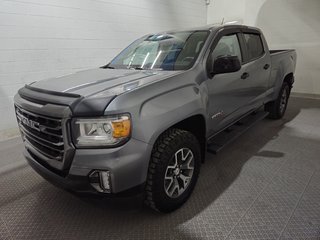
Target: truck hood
[110,81]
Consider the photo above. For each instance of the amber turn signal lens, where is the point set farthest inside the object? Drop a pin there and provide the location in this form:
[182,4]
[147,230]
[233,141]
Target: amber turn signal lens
[121,128]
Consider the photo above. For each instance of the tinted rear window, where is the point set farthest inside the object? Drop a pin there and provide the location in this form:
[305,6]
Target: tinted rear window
[254,45]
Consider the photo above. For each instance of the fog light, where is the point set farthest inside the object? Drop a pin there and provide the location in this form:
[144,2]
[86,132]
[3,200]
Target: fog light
[101,181]
[105,180]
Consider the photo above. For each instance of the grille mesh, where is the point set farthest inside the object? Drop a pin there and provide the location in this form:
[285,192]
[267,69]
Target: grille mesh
[43,133]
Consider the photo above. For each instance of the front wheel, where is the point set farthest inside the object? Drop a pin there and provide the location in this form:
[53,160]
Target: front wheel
[278,107]
[173,170]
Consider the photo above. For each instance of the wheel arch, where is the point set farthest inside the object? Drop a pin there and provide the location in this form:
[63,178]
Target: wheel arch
[195,124]
[289,78]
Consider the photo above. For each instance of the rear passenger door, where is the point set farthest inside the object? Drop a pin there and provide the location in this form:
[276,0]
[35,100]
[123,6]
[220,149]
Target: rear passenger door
[257,62]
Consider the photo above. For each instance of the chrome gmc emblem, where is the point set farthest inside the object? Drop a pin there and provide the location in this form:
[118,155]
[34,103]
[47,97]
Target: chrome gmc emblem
[31,124]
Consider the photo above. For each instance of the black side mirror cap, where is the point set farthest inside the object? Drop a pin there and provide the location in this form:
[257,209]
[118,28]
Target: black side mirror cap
[226,64]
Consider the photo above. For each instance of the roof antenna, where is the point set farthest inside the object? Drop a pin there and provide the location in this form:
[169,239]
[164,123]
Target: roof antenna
[222,22]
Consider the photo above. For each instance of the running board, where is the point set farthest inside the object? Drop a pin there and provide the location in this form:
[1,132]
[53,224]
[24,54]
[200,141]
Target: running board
[227,136]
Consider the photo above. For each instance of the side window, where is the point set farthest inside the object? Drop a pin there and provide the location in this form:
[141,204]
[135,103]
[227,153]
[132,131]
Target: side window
[254,45]
[227,46]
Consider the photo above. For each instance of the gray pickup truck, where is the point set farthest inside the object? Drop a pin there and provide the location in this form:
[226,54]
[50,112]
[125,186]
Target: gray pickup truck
[143,122]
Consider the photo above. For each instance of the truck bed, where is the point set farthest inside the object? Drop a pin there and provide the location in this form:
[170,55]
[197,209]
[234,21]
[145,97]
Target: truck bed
[283,62]
[282,58]
[273,52]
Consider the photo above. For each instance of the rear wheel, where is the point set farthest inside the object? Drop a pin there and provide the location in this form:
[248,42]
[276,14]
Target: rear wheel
[173,171]
[278,107]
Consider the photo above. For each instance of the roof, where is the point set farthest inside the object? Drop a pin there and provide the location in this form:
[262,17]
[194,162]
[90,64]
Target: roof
[213,27]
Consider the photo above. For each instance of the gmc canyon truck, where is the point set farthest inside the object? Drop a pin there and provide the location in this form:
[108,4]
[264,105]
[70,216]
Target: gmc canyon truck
[143,122]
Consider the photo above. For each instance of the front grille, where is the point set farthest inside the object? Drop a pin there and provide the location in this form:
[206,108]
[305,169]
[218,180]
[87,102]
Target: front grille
[43,133]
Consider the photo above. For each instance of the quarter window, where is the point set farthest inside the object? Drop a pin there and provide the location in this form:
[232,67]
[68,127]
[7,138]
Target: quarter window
[227,46]
[254,46]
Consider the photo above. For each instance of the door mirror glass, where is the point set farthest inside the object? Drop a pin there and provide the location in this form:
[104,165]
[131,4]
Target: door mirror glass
[226,64]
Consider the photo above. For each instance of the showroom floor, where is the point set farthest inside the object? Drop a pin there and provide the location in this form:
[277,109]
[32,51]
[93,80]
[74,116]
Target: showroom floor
[265,185]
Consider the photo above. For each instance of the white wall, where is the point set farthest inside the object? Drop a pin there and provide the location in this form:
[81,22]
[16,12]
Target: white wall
[286,24]
[41,39]
[229,10]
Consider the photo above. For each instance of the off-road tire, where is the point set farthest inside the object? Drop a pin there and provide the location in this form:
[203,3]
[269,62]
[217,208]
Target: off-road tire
[164,149]
[277,108]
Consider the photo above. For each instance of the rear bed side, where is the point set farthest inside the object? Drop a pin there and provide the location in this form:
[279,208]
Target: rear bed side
[283,64]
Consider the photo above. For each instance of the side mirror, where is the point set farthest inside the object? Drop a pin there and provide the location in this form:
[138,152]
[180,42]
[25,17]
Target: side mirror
[226,64]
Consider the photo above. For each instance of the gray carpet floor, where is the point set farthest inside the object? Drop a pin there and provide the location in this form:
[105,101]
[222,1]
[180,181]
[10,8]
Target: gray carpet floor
[264,185]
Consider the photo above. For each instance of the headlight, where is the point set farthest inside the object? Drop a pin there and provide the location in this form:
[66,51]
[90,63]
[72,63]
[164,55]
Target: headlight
[104,131]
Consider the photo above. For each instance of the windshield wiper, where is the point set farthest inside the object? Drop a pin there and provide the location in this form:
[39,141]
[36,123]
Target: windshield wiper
[107,66]
[137,68]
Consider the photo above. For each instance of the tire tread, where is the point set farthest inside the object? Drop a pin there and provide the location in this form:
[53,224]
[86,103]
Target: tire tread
[165,141]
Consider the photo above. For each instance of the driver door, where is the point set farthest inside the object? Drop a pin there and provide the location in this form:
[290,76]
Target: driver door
[228,92]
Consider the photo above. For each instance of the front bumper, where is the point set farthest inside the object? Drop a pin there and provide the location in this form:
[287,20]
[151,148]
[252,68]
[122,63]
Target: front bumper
[70,168]
[128,165]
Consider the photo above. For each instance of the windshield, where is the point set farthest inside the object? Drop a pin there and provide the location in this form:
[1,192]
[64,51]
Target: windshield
[170,51]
